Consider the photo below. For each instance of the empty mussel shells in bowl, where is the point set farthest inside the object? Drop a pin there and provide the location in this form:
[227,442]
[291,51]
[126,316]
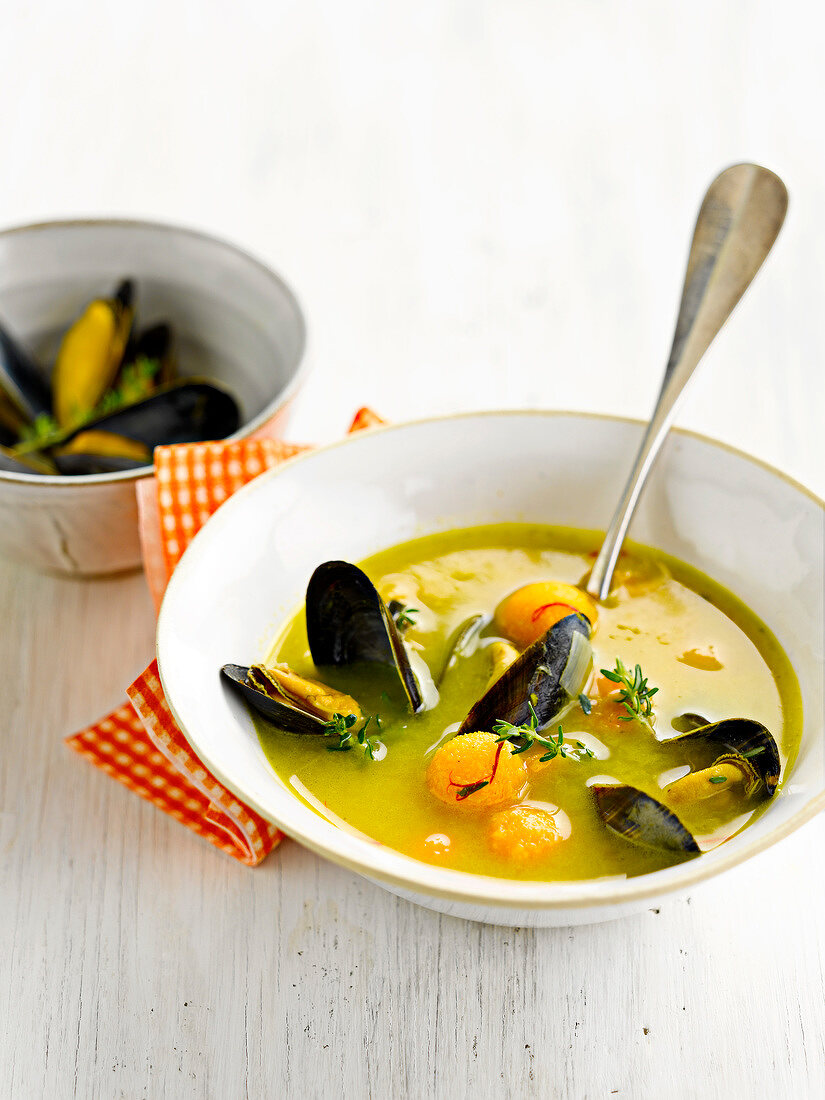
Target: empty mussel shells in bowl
[104,410]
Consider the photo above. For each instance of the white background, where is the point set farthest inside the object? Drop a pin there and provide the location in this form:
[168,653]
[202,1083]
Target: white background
[480,204]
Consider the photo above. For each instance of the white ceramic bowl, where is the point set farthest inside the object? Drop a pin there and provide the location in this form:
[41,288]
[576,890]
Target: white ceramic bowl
[234,319]
[754,530]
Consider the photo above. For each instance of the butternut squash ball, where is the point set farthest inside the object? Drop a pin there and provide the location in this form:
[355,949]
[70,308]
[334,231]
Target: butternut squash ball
[529,612]
[476,760]
[525,834]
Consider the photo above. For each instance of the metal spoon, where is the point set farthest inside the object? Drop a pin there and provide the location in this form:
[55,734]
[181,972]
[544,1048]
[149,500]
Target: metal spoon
[739,220]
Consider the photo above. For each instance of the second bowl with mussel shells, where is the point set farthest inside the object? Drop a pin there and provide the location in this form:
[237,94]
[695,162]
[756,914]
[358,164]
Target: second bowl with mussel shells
[116,337]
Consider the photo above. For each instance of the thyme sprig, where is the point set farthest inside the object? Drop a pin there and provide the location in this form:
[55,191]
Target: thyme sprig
[342,727]
[42,427]
[465,792]
[634,693]
[405,617]
[526,735]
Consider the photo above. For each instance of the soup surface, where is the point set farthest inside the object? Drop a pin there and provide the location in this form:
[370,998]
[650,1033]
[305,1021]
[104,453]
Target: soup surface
[693,640]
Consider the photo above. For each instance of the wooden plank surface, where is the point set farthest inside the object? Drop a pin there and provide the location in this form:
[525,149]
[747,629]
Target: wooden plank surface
[481,205]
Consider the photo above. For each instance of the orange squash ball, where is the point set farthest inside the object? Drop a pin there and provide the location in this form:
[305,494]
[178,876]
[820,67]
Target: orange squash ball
[476,760]
[525,834]
[529,612]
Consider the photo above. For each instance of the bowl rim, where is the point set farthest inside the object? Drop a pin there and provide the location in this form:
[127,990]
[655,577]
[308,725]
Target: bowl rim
[460,886]
[270,410]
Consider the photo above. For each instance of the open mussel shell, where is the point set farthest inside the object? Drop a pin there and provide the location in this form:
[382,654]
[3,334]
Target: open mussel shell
[157,343]
[187,411]
[95,452]
[91,354]
[12,422]
[548,675]
[463,642]
[740,737]
[21,380]
[278,711]
[32,463]
[348,622]
[635,816]
[125,294]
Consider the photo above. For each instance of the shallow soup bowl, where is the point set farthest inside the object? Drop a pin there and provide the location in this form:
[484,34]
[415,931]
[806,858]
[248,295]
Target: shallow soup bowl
[744,524]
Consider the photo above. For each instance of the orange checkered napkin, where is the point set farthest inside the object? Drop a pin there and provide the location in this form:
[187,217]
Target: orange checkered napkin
[141,745]
[191,482]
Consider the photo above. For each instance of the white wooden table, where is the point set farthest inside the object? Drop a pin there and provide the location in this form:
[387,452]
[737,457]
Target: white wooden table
[481,204]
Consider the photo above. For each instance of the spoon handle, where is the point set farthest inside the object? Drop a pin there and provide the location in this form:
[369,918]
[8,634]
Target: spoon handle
[738,222]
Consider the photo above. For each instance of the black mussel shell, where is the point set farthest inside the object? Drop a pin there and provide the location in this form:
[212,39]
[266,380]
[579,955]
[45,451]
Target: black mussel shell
[25,385]
[278,711]
[11,465]
[741,737]
[187,411]
[348,622]
[154,342]
[31,463]
[125,294]
[8,436]
[12,421]
[550,673]
[461,641]
[634,815]
[157,343]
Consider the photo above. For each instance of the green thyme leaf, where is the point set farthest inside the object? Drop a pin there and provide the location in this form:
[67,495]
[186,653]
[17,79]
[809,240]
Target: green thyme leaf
[525,736]
[634,693]
[465,792]
[341,726]
[405,618]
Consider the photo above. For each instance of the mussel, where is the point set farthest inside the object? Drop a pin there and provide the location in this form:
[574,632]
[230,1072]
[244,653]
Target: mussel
[548,675]
[91,354]
[743,751]
[12,422]
[502,655]
[21,380]
[112,399]
[635,816]
[157,344]
[348,622]
[293,703]
[30,464]
[183,412]
[462,642]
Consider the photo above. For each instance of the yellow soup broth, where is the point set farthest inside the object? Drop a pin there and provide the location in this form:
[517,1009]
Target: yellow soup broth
[699,645]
